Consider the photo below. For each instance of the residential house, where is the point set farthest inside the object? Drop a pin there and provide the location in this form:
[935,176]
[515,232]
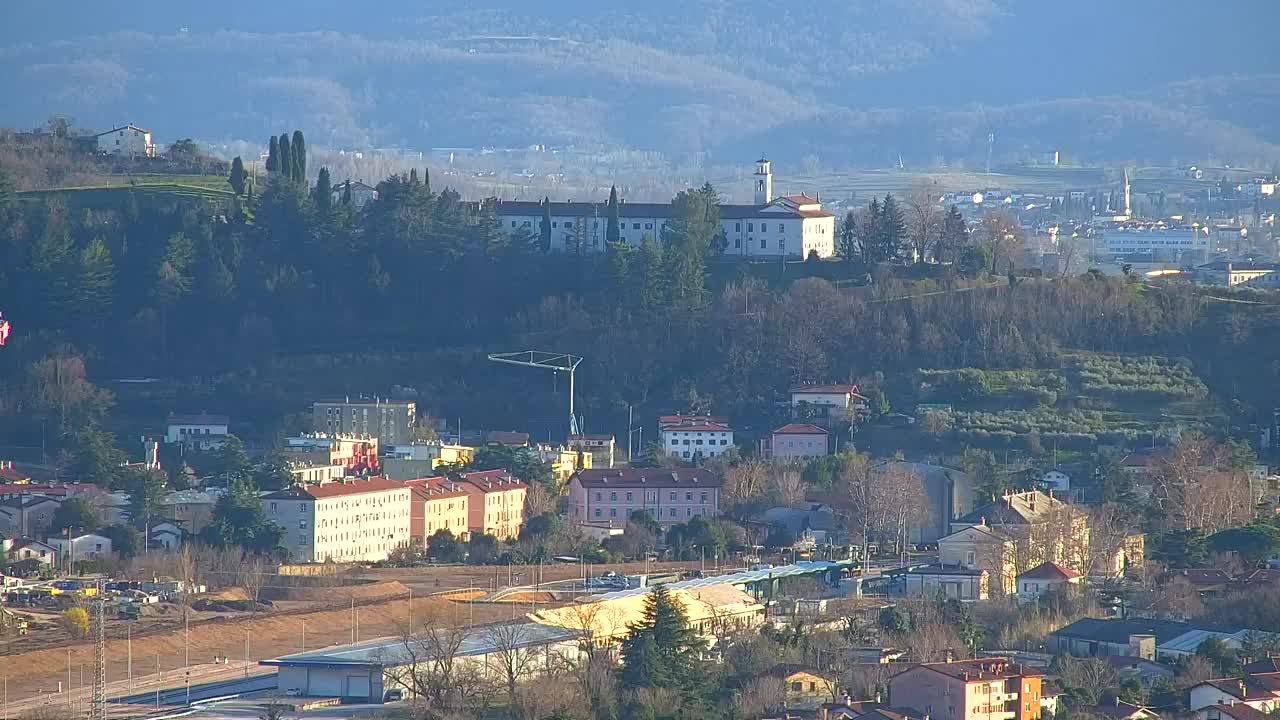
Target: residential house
[981,689]
[816,520]
[982,547]
[950,581]
[9,475]
[564,461]
[391,422]
[1146,672]
[166,535]
[28,549]
[1232,711]
[948,495]
[1206,581]
[601,448]
[1043,528]
[128,140]
[666,421]
[415,460]
[355,520]
[438,504]
[1240,273]
[85,546]
[191,509]
[356,453]
[361,193]
[667,495]
[304,472]
[27,515]
[697,439]
[1259,691]
[1055,480]
[797,441]
[202,432]
[806,687]
[827,402]
[495,503]
[1043,578]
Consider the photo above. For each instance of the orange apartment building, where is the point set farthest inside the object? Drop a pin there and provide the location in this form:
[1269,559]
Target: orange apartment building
[983,689]
[495,503]
[438,504]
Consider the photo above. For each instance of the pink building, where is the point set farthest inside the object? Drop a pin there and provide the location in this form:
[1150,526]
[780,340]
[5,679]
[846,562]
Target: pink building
[667,495]
[798,441]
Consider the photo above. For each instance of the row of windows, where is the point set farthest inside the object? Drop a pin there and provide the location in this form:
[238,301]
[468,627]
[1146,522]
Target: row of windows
[686,454]
[699,442]
[653,496]
[655,512]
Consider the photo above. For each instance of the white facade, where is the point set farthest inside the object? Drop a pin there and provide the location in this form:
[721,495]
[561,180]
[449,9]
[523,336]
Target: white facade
[128,140]
[307,474]
[204,431]
[1056,480]
[1154,240]
[84,547]
[688,441]
[355,520]
[1205,694]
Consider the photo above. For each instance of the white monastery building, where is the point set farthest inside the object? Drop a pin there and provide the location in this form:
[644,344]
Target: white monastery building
[793,226]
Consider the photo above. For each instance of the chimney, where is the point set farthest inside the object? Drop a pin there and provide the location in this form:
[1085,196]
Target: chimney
[849,701]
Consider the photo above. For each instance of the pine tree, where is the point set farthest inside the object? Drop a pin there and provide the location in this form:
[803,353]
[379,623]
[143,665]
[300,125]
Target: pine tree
[324,192]
[273,155]
[847,238]
[426,180]
[97,279]
[613,232]
[238,176]
[544,226]
[413,176]
[299,148]
[286,156]
[891,231]
[662,650]
[346,194]
[955,236]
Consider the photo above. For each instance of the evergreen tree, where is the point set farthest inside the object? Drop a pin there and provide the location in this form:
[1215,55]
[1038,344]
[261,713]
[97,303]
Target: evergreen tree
[299,148]
[649,280]
[273,155]
[613,232]
[955,236]
[619,272]
[324,192]
[97,281]
[346,194]
[286,156]
[847,238]
[238,176]
[426,180]
[662,650]
[891,230]
[544,226]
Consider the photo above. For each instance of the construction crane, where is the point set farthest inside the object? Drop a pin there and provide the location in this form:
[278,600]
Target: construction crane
[557,362]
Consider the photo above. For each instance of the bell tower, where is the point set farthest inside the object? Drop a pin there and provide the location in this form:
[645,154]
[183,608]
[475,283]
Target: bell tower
[764,182]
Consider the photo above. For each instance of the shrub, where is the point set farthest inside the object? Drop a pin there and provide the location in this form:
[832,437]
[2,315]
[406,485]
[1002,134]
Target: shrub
[76,622]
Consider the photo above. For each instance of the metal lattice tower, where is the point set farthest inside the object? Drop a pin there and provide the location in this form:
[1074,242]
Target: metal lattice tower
[99,709]
[558,362]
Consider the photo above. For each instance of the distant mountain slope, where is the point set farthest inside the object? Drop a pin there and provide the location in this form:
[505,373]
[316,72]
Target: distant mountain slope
[848,80]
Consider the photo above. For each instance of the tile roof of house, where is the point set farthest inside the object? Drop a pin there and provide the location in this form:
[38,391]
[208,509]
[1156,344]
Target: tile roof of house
[895,713]
[664,420]
[981,669]
[21,543]
[347,486]
[1205,576]
[1120,710]
[1021,508]
[503,437]
[437,488]
[1240,711]
[1265,665]
[786,669]
[648,477]
[698,427]
[1250,687]
[1050,571]
[492,481]
[201,419]
[9,475]
[799,429]
[130,126]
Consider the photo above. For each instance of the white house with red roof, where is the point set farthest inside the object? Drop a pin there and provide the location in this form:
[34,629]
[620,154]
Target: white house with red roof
[798,441]
[692,437]
[1044,577]
[827,400]
[352,520]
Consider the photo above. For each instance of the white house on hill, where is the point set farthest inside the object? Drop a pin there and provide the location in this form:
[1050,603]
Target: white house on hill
[129,140]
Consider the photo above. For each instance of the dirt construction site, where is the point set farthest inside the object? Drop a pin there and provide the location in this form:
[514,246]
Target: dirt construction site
[373,603]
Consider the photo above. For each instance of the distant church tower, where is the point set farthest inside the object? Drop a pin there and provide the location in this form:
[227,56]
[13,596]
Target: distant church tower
[764,182]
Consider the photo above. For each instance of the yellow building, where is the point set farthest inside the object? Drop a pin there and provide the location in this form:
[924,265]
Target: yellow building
[438,504]
[806,689]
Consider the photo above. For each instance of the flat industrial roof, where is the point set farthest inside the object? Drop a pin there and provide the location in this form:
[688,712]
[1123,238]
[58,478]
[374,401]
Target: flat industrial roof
[804,567]
[478,640]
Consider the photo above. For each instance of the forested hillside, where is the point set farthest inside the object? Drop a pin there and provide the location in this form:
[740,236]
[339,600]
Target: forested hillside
[860,82]
[259,306]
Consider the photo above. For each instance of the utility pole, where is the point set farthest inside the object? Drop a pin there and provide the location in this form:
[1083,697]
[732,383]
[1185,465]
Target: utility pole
[99,709]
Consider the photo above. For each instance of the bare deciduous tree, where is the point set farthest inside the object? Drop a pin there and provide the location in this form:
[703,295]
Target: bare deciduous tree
[1088,675]
[426,665]
[253,575]
[924,218]
[513,657]
[788,487]
[1001,234]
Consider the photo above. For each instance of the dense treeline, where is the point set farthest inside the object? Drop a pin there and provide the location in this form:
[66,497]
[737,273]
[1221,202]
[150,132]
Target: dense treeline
[183,289]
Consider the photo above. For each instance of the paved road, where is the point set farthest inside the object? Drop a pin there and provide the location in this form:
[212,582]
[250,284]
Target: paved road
[178,696]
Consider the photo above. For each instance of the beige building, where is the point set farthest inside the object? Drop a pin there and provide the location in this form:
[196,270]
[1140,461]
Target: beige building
[981,547]
[130,140]
[390,421]
[798,441]
[714,611]
[495,504]
[438,504]
[983,689]
[355,520]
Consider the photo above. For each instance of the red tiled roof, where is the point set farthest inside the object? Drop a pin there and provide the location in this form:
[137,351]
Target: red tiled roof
[704,427]
[648,477]
[1050,571]
[799,429]
[13,476]
[437,488]
[1240,711]
[493,481]
[684,419]
[980,670]
[348,486]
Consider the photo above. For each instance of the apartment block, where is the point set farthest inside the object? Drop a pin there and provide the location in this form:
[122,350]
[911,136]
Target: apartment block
[982,689]
[354,520]
[390,421]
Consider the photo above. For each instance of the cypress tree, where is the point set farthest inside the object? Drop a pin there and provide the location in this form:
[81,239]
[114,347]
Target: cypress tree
[426,180]
[613,233]
[544,227]
[324,192]
[273,155]
[286,156]
[413,176]
[238,175]
[346,194]
[299,157]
